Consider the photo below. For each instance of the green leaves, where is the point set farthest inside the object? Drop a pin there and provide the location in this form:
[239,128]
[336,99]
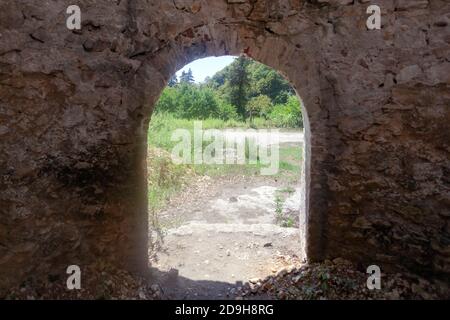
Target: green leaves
[287,115]
[187,77]
[243,90]
[189,102]
[259,106]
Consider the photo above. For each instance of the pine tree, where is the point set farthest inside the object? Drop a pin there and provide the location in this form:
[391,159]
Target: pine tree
[239,83]
[190,76]
[187,77]
[183,77]
[173,81]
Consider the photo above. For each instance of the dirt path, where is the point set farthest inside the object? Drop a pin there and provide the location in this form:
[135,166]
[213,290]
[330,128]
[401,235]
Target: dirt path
[222,233]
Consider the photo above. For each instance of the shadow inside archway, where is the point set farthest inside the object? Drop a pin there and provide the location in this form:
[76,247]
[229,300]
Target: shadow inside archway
[171,286]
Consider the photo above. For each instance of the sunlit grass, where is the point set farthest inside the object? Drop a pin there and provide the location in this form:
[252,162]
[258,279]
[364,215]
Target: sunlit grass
[163,125]
[166,179]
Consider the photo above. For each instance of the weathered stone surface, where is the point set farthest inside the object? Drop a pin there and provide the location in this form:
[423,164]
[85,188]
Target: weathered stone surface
[75,107]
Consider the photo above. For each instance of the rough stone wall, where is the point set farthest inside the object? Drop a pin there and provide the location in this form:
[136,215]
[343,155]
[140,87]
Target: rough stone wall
[75,106]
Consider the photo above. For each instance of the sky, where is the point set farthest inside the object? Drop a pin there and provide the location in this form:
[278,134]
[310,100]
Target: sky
[206,67]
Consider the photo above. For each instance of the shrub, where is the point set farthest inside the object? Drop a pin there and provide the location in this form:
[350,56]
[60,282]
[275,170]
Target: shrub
[259,106]
[226,111]
[188,101]
[168,102]
[287,115]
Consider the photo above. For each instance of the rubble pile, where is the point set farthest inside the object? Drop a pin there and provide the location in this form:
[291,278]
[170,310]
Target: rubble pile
[338,280]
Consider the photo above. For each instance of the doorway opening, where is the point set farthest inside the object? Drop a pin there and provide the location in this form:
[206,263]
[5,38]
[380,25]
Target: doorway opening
[225,156]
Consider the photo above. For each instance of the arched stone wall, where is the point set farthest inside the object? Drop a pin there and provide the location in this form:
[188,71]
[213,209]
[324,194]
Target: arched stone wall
[297,65]
[75,106]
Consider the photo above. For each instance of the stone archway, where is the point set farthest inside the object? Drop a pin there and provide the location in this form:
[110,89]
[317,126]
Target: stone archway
[279,59]
[76,105]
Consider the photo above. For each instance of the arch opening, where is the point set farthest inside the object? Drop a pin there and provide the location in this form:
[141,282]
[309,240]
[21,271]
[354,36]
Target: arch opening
[297,64]
[225,211]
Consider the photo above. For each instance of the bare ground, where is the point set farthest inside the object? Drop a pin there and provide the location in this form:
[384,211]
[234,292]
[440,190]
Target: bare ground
[221,234]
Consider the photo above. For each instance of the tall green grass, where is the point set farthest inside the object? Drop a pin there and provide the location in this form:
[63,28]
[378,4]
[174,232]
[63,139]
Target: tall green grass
[162,125]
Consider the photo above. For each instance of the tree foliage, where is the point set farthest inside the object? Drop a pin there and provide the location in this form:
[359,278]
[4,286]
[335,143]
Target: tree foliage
[238,84]
[259,106]
[244,89]
[173,81]
[287,115]
[187,77]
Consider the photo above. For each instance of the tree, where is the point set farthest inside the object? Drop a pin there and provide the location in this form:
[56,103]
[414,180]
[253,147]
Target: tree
[245,79]
[168,102]
[244,89]
[190,76]
[266,81]
[259,106]
[238,84]
[183,77]
[226,111]
[187,77]
[218,80]
[288,115]
[173,81]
